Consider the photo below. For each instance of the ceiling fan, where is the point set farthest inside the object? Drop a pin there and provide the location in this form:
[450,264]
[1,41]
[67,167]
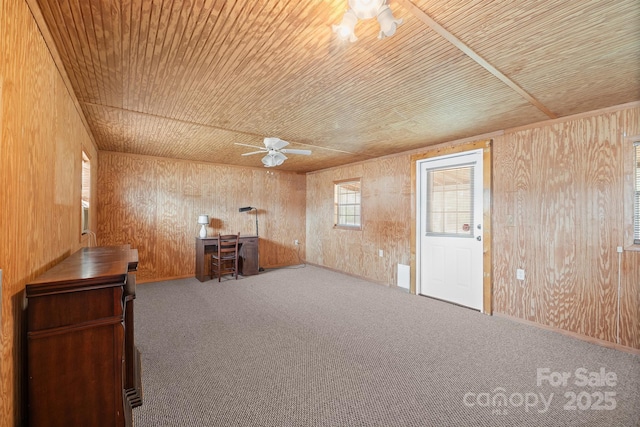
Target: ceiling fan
[275,151]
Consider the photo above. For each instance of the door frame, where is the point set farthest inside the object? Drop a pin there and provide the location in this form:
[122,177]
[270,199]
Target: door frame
[487,279]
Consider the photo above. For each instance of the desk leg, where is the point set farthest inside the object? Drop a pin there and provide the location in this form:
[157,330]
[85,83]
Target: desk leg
[200,267]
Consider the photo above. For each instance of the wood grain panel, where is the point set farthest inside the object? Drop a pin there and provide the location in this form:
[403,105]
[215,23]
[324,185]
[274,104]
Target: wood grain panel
[557,212]
[385,220]
[517,39]
[629,327]
[126,212]
[153,203]
[41,140]
[629,322]
[559,193]
[177,72]
[171,225]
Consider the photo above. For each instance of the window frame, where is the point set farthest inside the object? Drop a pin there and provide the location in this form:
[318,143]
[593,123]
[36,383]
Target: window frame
[85,187]
[446,191]
[336,204]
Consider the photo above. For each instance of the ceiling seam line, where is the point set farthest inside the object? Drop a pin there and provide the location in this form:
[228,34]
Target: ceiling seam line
[430,22]
[214,127]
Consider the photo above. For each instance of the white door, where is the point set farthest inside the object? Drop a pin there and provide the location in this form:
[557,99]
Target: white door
[449,241]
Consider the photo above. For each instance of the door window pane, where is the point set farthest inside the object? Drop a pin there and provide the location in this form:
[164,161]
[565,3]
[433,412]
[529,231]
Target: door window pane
[450,201]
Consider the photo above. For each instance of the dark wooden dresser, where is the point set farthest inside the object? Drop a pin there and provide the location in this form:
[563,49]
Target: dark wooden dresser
[83,366]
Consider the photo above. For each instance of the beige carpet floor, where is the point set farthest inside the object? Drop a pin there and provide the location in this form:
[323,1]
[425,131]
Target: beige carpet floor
[312,347]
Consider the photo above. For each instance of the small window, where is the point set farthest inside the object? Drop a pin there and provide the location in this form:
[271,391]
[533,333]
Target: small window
[347,204]
[86,192]
[636,204]
[450,201]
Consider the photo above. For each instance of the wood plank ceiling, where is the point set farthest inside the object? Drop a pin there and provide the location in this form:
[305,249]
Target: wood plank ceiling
[186,79]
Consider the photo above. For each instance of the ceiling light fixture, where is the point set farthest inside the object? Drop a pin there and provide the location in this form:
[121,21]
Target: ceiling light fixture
[367,9]
[273,158]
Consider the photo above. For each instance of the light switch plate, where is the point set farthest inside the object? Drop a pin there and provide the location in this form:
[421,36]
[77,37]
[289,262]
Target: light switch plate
[520,274]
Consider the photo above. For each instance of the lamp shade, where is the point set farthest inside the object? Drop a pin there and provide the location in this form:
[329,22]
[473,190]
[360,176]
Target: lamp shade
[367,9]
[275,159]
[346,28]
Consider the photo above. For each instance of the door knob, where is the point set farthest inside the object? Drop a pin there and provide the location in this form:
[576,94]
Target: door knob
[479,238]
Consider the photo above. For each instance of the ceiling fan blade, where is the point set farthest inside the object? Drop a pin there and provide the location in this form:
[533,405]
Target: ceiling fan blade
[275,143]
[248,145]
[253,152]
[295,151]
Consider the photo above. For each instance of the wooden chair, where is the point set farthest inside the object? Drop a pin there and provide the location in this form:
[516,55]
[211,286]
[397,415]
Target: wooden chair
[225,259]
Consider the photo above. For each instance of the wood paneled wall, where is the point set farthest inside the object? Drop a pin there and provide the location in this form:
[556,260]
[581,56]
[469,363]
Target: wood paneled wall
[41,141]
[629,328]
[557,212]
[559,201]
[386,225]
[153,204]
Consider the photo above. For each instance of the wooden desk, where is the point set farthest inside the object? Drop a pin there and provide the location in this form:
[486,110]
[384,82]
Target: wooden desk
[248,253]
[82,362]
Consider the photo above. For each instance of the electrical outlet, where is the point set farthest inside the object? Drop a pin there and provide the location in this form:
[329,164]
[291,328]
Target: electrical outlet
[619,249]
[380,253]
[520,274]
[296,242]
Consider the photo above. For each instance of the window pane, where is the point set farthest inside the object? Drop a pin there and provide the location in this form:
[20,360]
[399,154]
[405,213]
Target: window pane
[86,192]
[347,200]
[450,201]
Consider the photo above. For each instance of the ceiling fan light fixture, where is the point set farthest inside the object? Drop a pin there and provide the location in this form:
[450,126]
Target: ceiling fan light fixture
[273,159]
[274,143]
[274,150]
[346,28]
[388,24]
[367,9]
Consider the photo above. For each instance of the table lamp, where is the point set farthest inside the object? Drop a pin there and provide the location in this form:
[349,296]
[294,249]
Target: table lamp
[203,220]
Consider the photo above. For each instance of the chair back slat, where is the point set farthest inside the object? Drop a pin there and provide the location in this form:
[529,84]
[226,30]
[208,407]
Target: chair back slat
[225,260]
